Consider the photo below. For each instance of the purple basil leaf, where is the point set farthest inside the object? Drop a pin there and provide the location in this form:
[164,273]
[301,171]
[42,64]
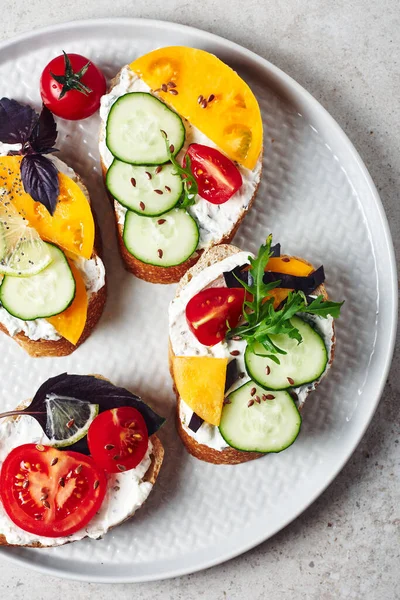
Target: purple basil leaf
[16,122]
[93,390]
[44,133]
[40,179]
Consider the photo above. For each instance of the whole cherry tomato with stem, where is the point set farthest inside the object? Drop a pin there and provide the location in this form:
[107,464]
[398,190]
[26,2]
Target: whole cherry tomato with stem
[71,86]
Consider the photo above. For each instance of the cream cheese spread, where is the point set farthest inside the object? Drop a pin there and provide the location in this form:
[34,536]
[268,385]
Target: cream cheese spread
[184,343]
[126,491]
[214,220]
[92,271]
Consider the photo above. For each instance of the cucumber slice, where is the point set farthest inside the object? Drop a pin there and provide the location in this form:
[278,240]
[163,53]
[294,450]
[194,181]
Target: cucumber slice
[48,293]
[270,426]
[149,191]
[22,251]
[302,363]
[68,419]
[163,242]
[133,130]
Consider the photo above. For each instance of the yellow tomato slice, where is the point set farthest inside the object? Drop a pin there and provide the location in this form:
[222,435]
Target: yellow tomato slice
[72,225]
[210,95]
[290,266]
[200,381]
[71,323]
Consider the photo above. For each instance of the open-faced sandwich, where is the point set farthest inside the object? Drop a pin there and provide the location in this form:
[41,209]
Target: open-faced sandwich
[181,149]
[52,280]
[250,338]
[77,460]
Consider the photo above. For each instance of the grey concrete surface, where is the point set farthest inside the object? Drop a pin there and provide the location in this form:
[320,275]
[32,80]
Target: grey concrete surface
[347,54]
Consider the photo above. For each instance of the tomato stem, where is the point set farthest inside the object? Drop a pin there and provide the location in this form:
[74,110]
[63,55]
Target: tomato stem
[16,413]
[71,80]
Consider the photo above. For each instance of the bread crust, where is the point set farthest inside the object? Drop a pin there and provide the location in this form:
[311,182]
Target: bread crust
[227,456]
[153,273]
[157,457]
[62,347]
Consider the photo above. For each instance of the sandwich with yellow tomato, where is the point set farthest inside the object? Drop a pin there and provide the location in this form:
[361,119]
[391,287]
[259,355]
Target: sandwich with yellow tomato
[53,287]
[181,144]
[250,337]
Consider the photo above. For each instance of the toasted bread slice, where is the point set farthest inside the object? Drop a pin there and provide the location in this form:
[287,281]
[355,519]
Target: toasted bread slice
[153,273]
[150,476]
[62,347]
[227,456]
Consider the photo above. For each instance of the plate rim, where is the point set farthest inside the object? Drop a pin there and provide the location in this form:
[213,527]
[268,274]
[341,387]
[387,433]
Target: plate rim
[298,92]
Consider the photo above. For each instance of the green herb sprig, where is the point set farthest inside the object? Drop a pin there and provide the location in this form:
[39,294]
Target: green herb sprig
[262,320]
[190,188]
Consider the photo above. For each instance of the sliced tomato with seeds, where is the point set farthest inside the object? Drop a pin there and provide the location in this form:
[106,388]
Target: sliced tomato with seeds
[209,311]
[217,177]
[48,492]
[118,439]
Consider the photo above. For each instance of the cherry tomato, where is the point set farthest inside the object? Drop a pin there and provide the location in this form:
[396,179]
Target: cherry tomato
[208,312]
[48,492]
[216,175]
[118,439]
[71,86]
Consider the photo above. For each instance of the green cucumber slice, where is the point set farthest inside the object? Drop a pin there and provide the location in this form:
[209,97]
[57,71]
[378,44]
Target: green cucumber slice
[149,191]
[269,426]
[163,242]
[48,293]
[68,419]
[133,130]
[302,363]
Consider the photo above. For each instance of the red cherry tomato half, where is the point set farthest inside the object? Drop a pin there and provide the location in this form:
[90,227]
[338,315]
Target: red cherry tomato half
[48,492]
[71,86]
[118,439]
[216,175]
[208,312]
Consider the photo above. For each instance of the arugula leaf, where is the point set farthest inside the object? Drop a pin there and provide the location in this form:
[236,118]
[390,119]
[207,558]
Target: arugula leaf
[190,188]
[323,308]
[262,320]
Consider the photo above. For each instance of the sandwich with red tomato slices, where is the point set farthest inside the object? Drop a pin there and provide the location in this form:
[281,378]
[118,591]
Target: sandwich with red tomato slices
[77,460]
[250,338]
[181,143]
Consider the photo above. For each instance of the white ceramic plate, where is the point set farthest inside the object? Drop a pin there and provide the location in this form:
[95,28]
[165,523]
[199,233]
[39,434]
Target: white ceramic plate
[319,201]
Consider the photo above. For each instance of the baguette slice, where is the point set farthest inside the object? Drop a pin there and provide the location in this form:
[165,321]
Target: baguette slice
[227,456]
[151,475]
[153,273]
[62,347]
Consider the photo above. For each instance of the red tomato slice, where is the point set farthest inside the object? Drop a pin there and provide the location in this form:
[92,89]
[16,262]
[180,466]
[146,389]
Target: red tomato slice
[68,91]
[208,312]
[216,175]
[48,492]
[118,439]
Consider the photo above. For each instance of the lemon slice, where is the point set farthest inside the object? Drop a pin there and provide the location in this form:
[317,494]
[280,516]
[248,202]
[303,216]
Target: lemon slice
[68,419]
[22,251]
